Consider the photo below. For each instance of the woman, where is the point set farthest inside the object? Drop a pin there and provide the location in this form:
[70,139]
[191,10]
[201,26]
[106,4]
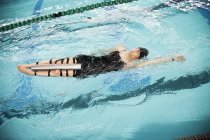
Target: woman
[118,59]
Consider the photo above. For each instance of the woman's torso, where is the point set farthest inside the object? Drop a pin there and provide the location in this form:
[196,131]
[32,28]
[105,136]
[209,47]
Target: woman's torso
[94,65]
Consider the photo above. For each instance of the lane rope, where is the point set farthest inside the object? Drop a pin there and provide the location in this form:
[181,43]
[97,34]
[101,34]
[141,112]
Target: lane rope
[62,13]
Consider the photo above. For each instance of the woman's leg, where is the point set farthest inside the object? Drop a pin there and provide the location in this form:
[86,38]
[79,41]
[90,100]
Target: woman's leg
[54,73]
[52,61]
[25,68]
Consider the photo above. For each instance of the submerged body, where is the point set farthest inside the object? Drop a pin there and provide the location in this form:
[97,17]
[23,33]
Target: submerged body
[118,59]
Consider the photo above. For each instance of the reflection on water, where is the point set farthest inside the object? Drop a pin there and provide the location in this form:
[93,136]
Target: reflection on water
[92,99]
[184,5]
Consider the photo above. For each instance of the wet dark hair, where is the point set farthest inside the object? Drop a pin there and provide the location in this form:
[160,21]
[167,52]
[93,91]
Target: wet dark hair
[143,52]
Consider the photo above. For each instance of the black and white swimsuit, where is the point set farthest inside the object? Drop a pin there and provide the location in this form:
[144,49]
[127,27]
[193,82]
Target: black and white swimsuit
[94,65]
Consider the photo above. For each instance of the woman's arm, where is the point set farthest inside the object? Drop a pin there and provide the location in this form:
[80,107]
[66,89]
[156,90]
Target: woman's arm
[160,60]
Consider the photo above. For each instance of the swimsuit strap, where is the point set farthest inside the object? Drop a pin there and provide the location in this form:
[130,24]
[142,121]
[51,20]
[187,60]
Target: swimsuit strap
[59,60]
[67,74]
[50,61]
[61,74]
[74,73]
[67,60]
[62,61]
[49,72]
[73,60]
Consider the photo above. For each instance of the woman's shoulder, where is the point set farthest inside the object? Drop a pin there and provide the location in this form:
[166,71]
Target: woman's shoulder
[120,48]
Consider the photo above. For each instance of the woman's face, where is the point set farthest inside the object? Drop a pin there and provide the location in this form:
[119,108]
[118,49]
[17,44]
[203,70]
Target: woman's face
[135,53]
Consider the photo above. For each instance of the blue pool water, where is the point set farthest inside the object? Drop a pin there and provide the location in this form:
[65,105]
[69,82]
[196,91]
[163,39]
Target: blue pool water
[157,102]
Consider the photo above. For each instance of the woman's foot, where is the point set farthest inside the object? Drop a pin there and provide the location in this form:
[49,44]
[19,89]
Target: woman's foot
[23,69]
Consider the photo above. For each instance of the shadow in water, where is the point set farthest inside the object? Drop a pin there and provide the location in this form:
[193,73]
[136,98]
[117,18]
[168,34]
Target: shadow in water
[157,88]
[94,98]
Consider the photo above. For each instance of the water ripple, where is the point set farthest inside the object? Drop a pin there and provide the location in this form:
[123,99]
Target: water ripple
[95,98]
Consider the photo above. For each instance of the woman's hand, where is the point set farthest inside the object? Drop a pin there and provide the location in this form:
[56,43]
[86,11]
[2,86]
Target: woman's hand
[179,58]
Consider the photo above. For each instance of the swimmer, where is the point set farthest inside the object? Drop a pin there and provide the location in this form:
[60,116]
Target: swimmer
[117,59]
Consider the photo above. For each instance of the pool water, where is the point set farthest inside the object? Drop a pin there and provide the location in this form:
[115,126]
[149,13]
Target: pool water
[157,102]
